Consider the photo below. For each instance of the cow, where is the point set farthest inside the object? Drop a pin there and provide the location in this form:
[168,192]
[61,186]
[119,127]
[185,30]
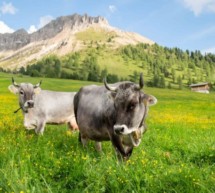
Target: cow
[113,112]
[43,106]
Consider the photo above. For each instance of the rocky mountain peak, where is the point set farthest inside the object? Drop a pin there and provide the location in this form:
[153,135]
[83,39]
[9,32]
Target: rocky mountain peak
[20,38]
[62,36]
[21,32]
[13,41]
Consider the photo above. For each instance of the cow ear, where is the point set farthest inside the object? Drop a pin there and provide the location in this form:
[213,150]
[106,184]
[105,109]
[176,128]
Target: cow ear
[149,100]
[13,89]
[37,90]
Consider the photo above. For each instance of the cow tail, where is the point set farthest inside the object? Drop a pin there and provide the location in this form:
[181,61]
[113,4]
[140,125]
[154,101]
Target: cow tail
[75,103]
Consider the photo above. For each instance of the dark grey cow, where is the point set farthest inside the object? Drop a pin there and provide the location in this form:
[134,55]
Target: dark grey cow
[42,106]
[113,112]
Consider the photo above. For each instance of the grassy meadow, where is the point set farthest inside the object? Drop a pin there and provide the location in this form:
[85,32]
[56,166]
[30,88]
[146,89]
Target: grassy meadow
[177,153]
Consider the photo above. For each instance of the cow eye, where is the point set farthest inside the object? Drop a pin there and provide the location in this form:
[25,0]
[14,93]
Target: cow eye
[21,92]
[132,106]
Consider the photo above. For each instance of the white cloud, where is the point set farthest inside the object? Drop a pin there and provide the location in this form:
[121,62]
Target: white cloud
[112,8]
[43,21]
[4,28]
[32,29]
[8,8]
[200,6]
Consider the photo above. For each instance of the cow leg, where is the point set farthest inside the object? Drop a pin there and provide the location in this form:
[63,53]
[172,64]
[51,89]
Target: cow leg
[79,137]
[40,128]
[70,127]
[98,146]
[83,139]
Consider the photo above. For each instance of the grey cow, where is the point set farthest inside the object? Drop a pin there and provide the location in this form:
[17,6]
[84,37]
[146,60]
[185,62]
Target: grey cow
[42,106]
[113,112]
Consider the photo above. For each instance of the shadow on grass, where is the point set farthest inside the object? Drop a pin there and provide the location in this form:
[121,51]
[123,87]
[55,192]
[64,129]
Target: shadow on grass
[204,158]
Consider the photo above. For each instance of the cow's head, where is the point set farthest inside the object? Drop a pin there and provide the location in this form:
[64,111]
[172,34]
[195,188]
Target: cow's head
[26,92]
[131,106]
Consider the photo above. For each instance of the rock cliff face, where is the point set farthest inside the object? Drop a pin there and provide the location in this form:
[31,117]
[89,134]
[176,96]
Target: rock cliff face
[14,40]
[20,38]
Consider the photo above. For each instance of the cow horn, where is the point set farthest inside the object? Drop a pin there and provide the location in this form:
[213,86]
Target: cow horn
[14,83]
[38,84]
[110,88]
[141,82]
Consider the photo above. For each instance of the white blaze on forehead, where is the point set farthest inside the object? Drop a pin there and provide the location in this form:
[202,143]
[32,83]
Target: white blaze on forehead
[27,87]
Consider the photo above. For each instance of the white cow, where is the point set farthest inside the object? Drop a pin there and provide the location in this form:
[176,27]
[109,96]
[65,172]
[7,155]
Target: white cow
[43,106]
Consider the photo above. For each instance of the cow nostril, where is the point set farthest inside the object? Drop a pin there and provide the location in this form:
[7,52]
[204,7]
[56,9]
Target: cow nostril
[122,129]
[30,103]
[119,129]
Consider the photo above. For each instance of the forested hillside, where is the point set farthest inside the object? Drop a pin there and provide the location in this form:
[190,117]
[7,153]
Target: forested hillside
[162,66]
[168,66]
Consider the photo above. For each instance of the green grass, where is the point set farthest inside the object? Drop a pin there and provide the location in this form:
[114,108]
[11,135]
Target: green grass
[114,63]
[98,35]
[177,153]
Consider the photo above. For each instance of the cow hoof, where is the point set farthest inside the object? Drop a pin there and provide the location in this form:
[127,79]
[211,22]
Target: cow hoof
[39,132]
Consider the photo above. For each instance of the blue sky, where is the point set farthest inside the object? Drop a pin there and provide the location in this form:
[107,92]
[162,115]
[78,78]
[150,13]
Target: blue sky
[186,24]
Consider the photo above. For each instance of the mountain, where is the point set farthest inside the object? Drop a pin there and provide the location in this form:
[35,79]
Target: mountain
[61,36]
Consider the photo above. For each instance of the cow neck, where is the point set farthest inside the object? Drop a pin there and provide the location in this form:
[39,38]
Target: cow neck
[25,111]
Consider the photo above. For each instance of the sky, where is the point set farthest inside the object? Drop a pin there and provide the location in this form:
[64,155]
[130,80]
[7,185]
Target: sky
[186,24]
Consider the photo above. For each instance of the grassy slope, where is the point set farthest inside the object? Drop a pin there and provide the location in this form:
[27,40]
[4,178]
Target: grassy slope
[176,153]
[92,34]
[114,62]
[107,57]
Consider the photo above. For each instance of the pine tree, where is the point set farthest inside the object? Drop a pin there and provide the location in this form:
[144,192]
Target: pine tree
[180,82]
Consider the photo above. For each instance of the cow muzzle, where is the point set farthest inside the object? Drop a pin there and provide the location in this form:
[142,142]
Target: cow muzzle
[119,129]
[123,129]
[29,104]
